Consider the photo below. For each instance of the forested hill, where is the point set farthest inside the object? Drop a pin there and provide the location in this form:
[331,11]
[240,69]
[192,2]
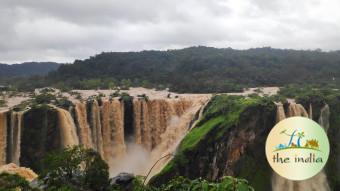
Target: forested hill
[27,69]
[202,69]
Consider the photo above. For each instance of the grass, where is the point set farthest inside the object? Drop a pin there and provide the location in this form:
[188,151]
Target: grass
[198,134]
[296,148]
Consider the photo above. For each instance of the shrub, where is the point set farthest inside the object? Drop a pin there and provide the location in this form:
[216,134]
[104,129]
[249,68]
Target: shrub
[44,98]
[75,168]
[2,103]
[13,182]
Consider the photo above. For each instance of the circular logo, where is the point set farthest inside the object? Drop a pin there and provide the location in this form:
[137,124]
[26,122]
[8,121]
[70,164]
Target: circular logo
[297,148]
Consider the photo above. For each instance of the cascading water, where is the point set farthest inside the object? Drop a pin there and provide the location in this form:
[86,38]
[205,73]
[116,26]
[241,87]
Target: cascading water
[176,129]
[152,118]
[14,138]
[3,137]
[113,130]
[68,133]
[83,128]
[96,127]
[296,110]
[141,124]
[324,117]
[310,111]
[316,183]
[157,125]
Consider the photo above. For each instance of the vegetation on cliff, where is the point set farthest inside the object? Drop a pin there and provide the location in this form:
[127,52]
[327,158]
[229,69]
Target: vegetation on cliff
[13,182]
[76,169]
[2,103]
[43,99]
[180,183]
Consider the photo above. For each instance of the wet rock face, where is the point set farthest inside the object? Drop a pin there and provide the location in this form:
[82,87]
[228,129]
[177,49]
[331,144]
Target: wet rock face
[123,180]
[246,142]
[40,135]
[128,119]
[240,152]
[333,165]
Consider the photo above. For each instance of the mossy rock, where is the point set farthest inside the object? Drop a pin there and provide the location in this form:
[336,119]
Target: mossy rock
[40,136]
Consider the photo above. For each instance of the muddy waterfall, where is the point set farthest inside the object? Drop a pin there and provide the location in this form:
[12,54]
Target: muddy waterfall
[124,133]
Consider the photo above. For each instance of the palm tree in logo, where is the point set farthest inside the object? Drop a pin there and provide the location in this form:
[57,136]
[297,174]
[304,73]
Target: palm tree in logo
[300,136]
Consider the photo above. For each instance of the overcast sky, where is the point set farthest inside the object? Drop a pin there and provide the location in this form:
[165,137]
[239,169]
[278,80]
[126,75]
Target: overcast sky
[64,30]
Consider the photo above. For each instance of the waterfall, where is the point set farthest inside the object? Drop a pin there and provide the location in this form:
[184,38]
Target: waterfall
[142,123]
[96,128]
[113,130]
[177,128]
[296,110]
[156,125]
[14,138]
[319,181]
[68,132]
[280,113]
[84,131]
[310,111]
[158,114]
[324,117]
[3,137]
[151,119]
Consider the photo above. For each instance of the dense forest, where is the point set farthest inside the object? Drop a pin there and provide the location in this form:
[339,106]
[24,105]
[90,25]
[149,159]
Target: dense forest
[27,69]
[198,69]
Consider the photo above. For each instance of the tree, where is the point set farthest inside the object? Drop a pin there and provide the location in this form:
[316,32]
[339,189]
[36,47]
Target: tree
[75,168]
[126,84]
[44,98]
[300,136]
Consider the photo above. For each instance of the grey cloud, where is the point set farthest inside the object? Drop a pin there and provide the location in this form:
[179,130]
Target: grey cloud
[65,30]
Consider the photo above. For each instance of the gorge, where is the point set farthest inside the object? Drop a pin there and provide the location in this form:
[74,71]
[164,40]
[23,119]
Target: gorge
[203,135]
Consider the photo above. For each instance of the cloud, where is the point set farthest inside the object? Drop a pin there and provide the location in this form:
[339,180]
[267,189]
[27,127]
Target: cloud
[63,30]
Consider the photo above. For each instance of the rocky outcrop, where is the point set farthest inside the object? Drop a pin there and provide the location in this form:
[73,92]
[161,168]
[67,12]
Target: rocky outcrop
[123,180]
[236,147]
[229,140]
[40,135]
[12,168]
